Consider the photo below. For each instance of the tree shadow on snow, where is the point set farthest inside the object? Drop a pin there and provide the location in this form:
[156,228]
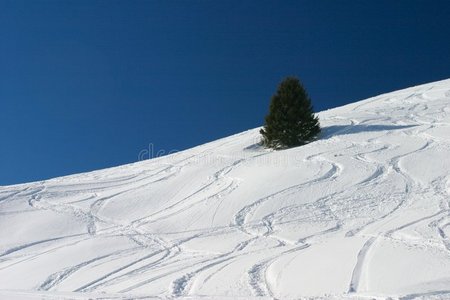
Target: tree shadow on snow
[330,131]
[335,130]
[256,147]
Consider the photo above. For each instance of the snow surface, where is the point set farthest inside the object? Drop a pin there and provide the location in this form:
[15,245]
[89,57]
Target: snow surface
[361,213]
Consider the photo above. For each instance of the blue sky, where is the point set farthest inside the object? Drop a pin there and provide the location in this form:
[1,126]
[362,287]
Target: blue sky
[86,85]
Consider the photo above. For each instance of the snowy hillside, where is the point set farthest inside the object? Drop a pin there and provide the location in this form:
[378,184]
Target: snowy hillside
[361,213]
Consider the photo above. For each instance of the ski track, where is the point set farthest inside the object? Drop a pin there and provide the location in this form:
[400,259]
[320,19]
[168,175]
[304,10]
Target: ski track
[240,218]
[25,246]
[357,271]
[444,293]
[92,283]
[58,277]
[184,203]
[32,256]
[258,273]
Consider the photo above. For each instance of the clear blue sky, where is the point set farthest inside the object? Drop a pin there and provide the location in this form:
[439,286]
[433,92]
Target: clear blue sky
[88,84]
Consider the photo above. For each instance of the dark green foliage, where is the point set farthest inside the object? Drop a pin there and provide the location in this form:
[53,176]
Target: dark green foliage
[291,121]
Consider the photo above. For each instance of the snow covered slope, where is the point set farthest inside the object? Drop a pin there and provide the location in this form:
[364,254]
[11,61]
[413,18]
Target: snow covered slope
[361,213]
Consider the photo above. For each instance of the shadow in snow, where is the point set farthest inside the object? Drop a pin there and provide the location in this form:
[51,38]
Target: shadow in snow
[334,130]
[330,131]
[254,147]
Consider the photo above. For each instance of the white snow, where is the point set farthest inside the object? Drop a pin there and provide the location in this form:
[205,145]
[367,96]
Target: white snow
[361,213]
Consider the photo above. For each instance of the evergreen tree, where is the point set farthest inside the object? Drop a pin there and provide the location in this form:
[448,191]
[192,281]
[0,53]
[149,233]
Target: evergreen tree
[291,121]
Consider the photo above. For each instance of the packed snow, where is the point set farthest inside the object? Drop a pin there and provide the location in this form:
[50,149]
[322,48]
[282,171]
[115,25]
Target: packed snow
[361,213]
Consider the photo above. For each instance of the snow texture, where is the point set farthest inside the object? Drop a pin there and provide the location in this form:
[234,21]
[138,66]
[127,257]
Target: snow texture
[361,213]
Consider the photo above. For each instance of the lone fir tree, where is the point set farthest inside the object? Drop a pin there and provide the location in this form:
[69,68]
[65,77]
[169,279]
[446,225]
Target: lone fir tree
[291,121]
